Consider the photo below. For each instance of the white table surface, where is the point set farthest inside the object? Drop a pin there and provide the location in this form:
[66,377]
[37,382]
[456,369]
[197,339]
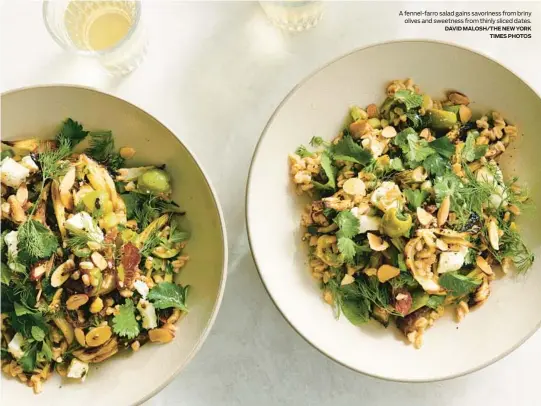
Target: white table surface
[214,74]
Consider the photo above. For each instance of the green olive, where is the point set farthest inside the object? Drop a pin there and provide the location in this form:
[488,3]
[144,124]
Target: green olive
[154,181]
[91,198]
[453,109]
[395,224]
[441,119]
[374,122]
[163,252]
[427,102]
[81,252]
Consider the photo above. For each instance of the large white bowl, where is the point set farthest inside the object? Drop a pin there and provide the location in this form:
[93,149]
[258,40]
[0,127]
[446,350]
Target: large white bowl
[131,378]
[317,107]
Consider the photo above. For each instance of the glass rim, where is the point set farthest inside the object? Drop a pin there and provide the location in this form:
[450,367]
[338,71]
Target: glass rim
[100,52]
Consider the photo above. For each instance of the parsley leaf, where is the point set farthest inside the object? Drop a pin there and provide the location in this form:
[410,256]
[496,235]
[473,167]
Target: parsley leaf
[447,185]
[415,149]
[124,323]
[348,224]
[348,150]
[472,152]
[37,333]
[28,360]
[457,284]
[435,301]
[35,242]
[167,294]
[329,172]
[415,197]
[72,132]
[443,146]
[410,99]
[436,165]
[396,164]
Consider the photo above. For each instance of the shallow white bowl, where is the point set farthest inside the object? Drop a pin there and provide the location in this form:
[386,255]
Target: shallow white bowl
[317,107]
[131,378]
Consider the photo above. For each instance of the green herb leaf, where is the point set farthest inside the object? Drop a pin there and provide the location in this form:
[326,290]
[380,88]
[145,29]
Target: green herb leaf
[72,132]
[21,310]
[415,197]
[410,99]
[347,248]
[37,333]
[457,284]
[396,165]
[329,170]
[435,301]
[447,185]
[28,360]
[416,150]
[166,294]
[357,311]
[124,323]
[348,150]
[317,142]
[436,165]
[35,242]
[443,146]
[5,274]
[45,353]
[348,224]
[102,149]
[472,152]
[303,152]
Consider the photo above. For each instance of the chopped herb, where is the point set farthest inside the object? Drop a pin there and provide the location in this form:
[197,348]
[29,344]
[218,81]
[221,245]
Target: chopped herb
[124,323]
[102,149]
[410,99]
[435,301]
[415,197]
[471,151]
[35,242]
[348,224]
[443,146]
[457,284]
[348,150]
[166,294]
[329,173]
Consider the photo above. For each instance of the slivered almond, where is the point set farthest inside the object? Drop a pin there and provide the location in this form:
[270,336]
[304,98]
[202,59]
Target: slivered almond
[442,245]
[464,113]
[483,265]
[388,132]
[65,186]
[347,279]
[370,271]
[443,212]
[493,236]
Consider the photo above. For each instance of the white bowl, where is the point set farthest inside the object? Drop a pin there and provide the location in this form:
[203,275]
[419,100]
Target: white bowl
[131,378]
[317,107]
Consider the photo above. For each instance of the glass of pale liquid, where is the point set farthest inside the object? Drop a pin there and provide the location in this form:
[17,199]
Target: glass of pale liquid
[293,15]
[110,31]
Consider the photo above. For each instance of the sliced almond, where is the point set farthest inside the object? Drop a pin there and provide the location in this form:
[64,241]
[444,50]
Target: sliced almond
[17,212]
[424,217]
[65,187]
[456,241]
[388,132]
[386,272]
[22,194]
[65,328]
[62,273]
[347,279]
[458,98]
[443,212]
[354,187]
[376,242]
[99,260]
[76,301]
[441,245]
[160,335]
[483,265]
[370,271]
[80,337]
[86,265]
[425,133]
[493,236]
[127,152]
[506,265]
[464,113]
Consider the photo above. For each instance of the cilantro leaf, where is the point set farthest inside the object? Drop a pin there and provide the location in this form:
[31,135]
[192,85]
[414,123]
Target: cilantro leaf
[348,224]
[72,132]
[396,164]
[347,248]
[457,284]
[436,165]
[447,185]
[348,150]
[28,360]
[329,170]
[415,197]
[37,333]
[167,294]
[472,152]
[124,323]
[435,301]
[35,241]
[443,146]
[415,149]
[410,99]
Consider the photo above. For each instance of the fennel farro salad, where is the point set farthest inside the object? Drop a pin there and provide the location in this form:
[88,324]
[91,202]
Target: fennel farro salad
[410,210]
[89,253]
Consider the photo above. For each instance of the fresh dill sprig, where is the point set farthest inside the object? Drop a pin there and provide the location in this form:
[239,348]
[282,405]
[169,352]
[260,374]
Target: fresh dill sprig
[512,246]
[150,243]
[102,149]
[52,161]
[78,241]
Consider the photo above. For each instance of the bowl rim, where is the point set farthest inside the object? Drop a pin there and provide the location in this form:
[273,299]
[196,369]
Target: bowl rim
[221,287]
[247,206]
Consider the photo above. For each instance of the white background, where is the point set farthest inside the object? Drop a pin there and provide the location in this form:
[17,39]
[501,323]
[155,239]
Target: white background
[214,74]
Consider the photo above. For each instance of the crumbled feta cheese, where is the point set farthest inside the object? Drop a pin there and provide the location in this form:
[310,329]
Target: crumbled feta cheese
[29,163]
[366,223]
[82,223]
[452,261]
[15,346]
[77,369]
[494,178]
[387,196]
[148,314]
[141,287]
[13,173]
